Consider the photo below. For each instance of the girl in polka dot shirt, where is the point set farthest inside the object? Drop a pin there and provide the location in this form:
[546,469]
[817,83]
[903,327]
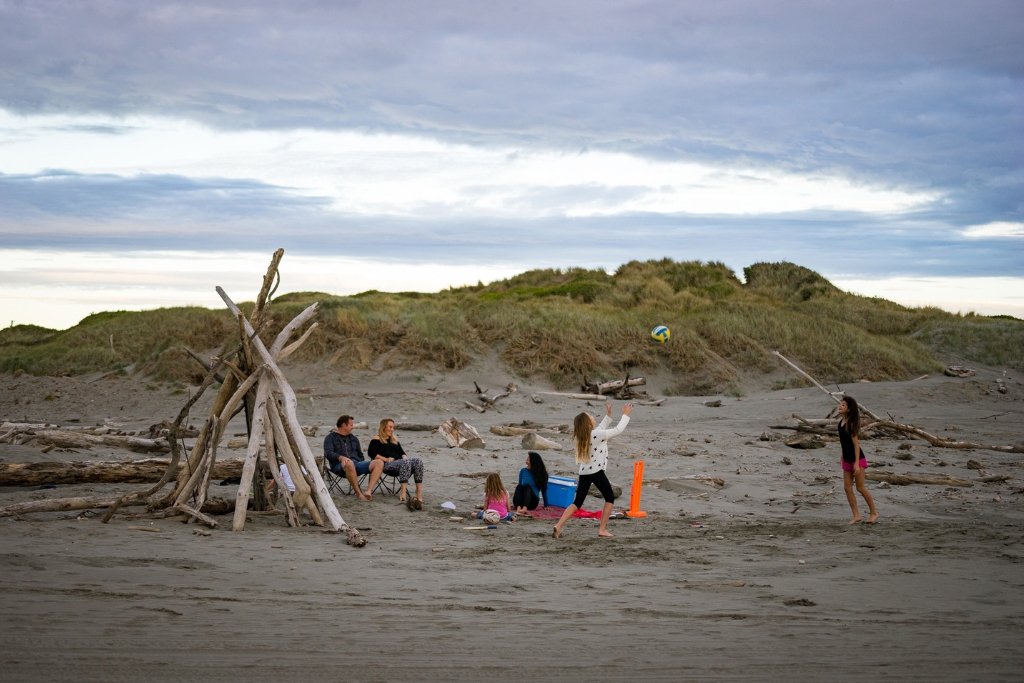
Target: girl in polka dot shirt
[592,458]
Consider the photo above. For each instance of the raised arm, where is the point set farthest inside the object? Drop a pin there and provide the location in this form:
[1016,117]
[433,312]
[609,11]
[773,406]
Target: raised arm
[603,433]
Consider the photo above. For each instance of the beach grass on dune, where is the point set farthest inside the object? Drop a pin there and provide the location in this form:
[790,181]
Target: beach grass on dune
[563,325]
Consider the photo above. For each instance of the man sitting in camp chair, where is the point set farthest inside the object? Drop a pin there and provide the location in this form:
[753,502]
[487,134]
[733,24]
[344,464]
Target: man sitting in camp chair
[345,456]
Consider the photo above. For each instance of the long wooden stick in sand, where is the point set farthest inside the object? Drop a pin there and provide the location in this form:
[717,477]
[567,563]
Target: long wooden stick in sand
[836,396]
[253,452]
[305,454]
[908,429]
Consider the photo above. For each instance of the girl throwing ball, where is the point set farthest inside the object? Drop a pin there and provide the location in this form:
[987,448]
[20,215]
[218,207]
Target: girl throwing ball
[853,460]
[592,458]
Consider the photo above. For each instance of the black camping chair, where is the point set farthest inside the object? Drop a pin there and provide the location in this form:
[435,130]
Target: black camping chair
[338,483]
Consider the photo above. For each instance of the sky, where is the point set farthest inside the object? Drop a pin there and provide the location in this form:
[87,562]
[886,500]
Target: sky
[150,151]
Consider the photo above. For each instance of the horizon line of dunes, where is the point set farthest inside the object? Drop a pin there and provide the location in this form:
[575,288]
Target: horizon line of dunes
[561,325]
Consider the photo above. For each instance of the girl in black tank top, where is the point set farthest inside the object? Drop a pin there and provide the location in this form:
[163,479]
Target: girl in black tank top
[852,460]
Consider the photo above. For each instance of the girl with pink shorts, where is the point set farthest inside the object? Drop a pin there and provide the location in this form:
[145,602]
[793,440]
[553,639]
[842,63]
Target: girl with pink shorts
[853,460]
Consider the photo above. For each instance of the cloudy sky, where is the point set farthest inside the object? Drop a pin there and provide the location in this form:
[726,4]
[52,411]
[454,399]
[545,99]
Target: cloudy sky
[149,151]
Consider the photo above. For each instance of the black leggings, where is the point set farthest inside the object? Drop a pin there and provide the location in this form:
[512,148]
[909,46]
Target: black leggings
[598,479]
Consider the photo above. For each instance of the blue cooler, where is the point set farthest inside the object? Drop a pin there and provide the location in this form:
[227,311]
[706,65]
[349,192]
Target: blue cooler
[561,491]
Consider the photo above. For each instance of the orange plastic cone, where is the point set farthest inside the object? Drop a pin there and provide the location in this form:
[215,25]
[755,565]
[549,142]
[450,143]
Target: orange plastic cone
[634,493]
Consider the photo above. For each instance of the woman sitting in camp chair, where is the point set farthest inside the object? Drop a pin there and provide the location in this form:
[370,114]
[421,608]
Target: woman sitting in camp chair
[385,447]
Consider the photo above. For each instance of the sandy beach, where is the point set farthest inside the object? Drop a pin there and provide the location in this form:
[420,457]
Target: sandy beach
[761,579]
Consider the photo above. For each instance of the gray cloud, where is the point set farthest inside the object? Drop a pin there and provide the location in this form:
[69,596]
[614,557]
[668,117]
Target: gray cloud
[43,198]
[922,95]
[112,213]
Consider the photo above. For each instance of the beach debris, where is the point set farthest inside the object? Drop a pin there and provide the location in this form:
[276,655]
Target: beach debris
[918,379]
[536,442]
[959,371]
[456,519]
[620,388]
[786,460]
[530,427]
[163,430]
[994,478]
[717,403]
[801,602]
[448,505]
[943,443]
[584,397]
[883,485]
[905,479]
[50,435]
[490,401]
[415,427]
[202,532]
[154,529]
[99,472]
[1000,386]
[311,430]
[679,450]
[658,402]
[536,399]
[974,465]
[459,434]
[769,435]
[805,441]
[881,426]
[475,407]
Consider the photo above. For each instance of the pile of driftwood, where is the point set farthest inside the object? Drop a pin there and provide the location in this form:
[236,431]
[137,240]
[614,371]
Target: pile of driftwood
[620,388]
[251,381]
[490,401]
[875,427]
[51,436]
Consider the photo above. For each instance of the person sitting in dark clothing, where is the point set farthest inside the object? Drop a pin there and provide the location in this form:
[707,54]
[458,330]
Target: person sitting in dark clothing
[384,448]
[533,484]
[345,456]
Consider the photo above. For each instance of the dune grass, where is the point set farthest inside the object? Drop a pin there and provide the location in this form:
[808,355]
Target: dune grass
[562,325]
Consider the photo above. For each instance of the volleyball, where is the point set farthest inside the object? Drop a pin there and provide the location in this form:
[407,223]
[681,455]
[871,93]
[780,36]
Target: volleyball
[660,334]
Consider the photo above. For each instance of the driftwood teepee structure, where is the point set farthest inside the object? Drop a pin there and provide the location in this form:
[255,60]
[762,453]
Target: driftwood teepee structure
[251,375]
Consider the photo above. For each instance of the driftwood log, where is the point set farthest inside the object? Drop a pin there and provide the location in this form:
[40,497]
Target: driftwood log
[946,443]
[414,427]
[458,434]
[528,427]
[144,471]
[905,479]
[65,438]
[491,401]
[536,442]
[213,507]
[585,397]
[611,387]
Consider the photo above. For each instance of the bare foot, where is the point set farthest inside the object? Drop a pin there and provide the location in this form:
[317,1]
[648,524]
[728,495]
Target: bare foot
[360,495]
[367,495]
[605,534]
[556,532]
[872,518]
[855,520]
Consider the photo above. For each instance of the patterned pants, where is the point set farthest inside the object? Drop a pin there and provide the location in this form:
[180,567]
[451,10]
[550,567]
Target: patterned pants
[403,467]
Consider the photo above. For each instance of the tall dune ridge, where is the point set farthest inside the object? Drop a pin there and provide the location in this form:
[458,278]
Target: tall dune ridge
[561,326]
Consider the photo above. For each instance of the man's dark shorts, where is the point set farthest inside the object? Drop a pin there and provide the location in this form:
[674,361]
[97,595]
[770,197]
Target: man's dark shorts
[362,467]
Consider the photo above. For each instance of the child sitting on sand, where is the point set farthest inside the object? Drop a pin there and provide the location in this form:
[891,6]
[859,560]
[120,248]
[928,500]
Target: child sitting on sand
[495,501]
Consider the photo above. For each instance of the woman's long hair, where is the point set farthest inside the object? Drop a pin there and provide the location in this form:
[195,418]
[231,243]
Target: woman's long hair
[493,488]
[852,415]
[537,470]
[582,427]
[384,438]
